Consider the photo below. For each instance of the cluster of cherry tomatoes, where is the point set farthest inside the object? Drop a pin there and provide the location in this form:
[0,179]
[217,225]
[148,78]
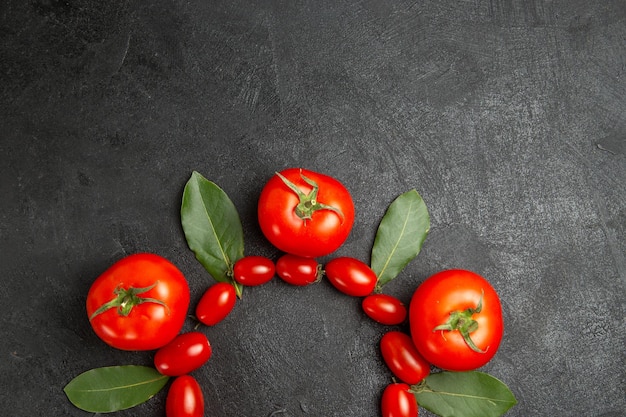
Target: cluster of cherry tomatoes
[455,316]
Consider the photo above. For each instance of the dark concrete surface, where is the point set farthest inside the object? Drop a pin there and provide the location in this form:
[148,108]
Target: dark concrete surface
[508,117]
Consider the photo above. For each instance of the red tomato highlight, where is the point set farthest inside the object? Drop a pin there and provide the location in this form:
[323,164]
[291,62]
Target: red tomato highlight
[402,358]
[351,276]
[298,270]
[216,303]
[253,270]
[184,398]
[384,309]
[397,401]
[186,353]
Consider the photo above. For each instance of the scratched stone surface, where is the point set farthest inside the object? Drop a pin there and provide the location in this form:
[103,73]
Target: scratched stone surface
[508,117]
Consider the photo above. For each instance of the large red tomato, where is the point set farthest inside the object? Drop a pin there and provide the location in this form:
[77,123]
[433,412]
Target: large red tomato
[305,213]
[456,320]
[139,303]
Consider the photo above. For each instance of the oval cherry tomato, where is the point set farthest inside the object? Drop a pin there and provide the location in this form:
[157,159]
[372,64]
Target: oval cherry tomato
[253,270]
[184,398]
[139,303]
[216,303]
[305,213]
[298,270]
[384,309]
[456,320]
[402,358]
[186,353]
[397,401]
[351,276]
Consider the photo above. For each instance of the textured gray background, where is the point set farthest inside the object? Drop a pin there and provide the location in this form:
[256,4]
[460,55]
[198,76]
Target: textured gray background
[507,116]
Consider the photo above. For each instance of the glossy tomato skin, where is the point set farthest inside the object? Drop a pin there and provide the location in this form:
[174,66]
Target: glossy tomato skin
[148,325]
[298,270]
[431,305]
[184,398]
[186,353]
[402,358]
[216,303]
[351,276]
[253,270]
[323,232]
[384,309]
[397,401]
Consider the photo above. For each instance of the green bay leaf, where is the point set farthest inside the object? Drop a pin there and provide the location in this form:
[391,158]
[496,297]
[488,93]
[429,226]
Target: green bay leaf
[400,236]
[212,227]
[114,388]
[464,394]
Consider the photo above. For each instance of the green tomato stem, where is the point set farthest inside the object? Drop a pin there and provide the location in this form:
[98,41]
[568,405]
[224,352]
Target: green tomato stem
[464,323]
[308,202]
[126,299]
[319,274]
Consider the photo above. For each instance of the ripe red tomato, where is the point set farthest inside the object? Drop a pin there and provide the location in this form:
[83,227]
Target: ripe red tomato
[305,213]
[397,401]
[184,398]
[384,309]
[253,270]
[456,320]
[139,303]
[186,353]
[216,303]
[402,358]
[297,270]
[351,276]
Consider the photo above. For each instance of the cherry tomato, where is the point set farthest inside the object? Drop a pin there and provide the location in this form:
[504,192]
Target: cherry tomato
[297,270]
[351,276]
[305,213]
[397,401]
[139,303]
[384,309]
[253,270]
[184,398]
[186,353]
[402,358]
[456,320]
[216,303]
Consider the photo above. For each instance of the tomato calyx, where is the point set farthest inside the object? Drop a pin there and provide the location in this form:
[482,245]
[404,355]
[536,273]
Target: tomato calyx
[308,202]
[464,323]
[319,273]
[126,299]
[420,387]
